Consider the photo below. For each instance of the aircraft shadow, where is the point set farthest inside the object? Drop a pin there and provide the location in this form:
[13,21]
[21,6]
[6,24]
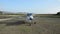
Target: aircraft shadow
[15,23]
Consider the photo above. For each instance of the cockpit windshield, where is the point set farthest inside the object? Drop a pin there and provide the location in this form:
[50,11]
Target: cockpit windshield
[29,14]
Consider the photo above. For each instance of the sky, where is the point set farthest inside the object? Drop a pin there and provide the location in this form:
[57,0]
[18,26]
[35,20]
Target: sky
[32,6]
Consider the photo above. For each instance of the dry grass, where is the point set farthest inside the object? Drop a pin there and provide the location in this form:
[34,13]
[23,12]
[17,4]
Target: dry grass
[44,26]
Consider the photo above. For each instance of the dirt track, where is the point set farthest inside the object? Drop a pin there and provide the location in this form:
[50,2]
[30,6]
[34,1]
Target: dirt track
[43,26]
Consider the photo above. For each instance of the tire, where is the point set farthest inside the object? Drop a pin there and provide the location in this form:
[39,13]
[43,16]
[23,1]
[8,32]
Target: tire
[34,22]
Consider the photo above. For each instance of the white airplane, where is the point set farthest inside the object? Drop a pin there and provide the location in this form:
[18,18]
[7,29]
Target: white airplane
[30,18]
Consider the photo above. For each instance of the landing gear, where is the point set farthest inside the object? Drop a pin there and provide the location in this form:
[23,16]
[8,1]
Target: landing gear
[29,24]
[34,22]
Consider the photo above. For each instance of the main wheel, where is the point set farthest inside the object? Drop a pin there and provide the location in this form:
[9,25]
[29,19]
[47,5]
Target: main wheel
[34,22]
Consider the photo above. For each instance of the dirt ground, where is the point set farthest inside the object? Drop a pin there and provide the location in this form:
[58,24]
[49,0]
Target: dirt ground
[43,26]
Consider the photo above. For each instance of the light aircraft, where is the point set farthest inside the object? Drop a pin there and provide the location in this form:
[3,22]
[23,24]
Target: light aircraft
[30,18]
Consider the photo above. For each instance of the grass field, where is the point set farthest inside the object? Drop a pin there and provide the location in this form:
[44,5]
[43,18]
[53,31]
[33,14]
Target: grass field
[45,24]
